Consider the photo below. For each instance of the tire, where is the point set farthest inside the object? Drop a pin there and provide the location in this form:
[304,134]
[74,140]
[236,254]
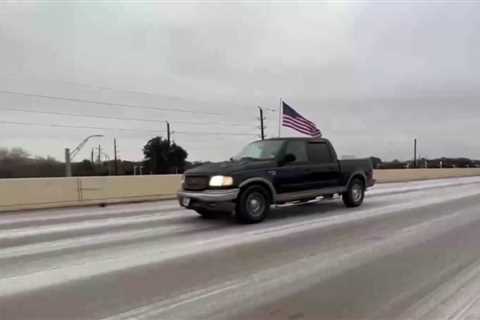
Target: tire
[355,194]
[206,214]
[253,204]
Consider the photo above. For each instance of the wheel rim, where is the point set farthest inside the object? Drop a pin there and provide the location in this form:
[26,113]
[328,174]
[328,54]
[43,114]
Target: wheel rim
[255,204]
[357,192]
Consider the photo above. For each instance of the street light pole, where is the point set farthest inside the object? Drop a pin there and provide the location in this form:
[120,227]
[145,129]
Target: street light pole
[70,155]
[68,164]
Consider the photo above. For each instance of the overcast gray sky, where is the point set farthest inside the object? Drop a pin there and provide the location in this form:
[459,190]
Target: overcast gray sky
[372,75]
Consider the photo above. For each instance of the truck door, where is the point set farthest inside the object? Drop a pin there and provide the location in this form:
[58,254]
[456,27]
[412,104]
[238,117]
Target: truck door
[293,176]
[325,170]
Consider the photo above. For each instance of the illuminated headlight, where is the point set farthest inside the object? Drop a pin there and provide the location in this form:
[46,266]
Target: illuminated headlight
[220,181]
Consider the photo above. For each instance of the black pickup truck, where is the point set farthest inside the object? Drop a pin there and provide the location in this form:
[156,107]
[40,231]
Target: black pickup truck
[274,171]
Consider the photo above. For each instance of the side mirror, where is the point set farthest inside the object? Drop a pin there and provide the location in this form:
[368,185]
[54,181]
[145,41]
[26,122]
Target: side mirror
[288,158]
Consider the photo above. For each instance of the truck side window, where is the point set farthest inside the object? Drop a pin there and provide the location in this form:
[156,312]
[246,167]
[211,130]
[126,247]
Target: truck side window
[319,153]
[298,149]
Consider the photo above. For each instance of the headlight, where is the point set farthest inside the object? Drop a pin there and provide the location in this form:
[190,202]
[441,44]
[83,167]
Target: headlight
[220,181]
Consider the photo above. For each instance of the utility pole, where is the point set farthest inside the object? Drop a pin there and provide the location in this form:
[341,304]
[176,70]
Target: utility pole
[262,128]
[415,153]
[99,154]
[168,132]
[115,155]
[92,156]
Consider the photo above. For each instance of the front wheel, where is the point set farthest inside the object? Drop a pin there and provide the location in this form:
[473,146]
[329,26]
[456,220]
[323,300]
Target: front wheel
[355,194]
[253,204]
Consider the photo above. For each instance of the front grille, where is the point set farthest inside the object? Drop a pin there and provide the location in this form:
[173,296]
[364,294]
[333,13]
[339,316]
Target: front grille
[196,183]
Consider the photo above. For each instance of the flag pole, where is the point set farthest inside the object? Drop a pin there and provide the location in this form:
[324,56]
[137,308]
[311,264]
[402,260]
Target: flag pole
[280,114]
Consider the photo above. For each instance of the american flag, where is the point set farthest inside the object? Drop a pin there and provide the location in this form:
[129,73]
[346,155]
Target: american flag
[292,119]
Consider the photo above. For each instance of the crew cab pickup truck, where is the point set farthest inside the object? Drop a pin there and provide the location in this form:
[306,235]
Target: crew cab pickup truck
[274,171]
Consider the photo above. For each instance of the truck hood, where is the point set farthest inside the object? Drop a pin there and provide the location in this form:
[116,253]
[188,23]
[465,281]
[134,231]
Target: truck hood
[230,167]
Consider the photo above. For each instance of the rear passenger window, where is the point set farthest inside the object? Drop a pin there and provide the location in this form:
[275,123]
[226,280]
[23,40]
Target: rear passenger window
[319,153]
[298,149]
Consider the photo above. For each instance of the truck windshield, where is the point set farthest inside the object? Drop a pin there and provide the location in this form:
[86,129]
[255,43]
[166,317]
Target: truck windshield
[260,150]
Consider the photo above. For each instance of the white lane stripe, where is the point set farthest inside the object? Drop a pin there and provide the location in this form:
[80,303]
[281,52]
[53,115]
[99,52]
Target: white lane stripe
[180,300]
[18,233]
[323,265]
[463,313]
[424,185]
[89,212]
[84,241]
[429,182]
[452,300]
[122,261]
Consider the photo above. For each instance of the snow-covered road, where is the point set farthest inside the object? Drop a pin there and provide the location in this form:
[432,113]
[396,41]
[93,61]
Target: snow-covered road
[411,251]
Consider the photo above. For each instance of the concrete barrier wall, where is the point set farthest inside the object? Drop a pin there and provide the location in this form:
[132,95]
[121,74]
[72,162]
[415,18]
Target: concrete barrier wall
[17,194]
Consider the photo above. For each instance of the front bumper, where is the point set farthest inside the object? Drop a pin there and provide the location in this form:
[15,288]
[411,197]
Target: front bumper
[223,195]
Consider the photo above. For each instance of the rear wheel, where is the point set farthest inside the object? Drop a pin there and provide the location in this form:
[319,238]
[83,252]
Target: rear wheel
[355,194]
[253,204]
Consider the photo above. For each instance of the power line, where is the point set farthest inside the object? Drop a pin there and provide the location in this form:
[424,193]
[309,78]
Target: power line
[116,118]
[55,125]
[106,103]
[128,91]
[98,87]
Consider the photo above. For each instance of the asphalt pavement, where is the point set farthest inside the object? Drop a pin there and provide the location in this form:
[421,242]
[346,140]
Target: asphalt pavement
[412,251]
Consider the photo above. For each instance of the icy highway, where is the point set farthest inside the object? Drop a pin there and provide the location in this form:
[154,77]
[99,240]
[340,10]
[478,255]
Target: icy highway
[412,251]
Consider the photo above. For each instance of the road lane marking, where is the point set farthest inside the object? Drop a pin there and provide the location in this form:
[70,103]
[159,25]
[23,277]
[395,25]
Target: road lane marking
[178,301]
[27,217]
[452,300]
[85,241]
[30,231]
[413,187]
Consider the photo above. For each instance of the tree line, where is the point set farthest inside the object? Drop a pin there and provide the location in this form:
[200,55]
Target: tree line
[435,163]
[160,157]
